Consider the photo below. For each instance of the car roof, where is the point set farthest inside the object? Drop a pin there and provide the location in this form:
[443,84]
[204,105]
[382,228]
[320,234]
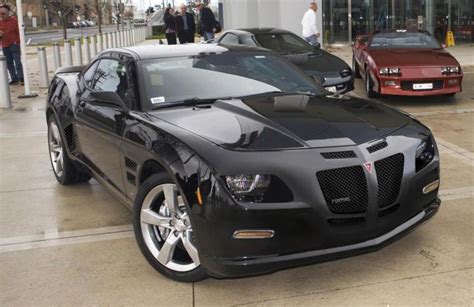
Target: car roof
[165,51]
[263,30]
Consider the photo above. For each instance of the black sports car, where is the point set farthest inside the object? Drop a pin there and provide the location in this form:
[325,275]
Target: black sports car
[329,70]
[236,163]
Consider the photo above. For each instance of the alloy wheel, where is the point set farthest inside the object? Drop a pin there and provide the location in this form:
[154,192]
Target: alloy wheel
[167,230]
[56,149]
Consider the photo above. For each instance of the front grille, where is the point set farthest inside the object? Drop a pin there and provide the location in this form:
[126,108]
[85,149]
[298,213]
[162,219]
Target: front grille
[346,221]
[377,147]
[344,189]
[389,177]
[339,155]
[408,85]
[130,164]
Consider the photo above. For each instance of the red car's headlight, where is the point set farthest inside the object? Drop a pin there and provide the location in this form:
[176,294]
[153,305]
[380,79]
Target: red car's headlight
[450,70]
[392,71]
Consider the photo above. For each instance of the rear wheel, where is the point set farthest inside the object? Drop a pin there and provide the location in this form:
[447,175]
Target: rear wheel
[164,232]
[369,86]
[355,68]
[64,169]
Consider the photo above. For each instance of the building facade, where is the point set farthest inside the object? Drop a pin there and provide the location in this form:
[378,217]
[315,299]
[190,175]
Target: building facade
[340,21]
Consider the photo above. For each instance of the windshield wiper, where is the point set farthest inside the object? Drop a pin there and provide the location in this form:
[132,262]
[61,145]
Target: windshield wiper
[282,93]
[190,102]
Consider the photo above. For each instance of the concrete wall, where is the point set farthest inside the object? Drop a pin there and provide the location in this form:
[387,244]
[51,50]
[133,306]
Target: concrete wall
[286,14]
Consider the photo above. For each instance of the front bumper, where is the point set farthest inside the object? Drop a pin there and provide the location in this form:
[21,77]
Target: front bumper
[227,267]
[339,85]
[404,86]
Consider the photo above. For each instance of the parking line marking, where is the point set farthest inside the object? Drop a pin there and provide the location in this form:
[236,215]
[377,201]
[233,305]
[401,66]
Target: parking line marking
[437,113]
[459,193]
[455,151]
[17,135]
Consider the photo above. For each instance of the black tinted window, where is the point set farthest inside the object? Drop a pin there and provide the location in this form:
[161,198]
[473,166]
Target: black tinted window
[247,40]
[230,39]
[283,42]
[111,77]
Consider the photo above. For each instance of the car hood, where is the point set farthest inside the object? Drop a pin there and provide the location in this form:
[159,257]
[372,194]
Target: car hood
[318,63]
[286,121]
[412,57]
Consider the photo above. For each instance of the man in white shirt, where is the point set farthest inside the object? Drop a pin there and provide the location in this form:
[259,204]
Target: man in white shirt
[310,31]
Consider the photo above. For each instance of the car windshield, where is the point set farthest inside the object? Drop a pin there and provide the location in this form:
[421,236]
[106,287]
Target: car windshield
[283,42]
[173,80]
[404,39]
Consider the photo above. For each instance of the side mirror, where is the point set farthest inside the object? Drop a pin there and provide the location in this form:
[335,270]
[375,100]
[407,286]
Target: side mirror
[317,46]
[111,98]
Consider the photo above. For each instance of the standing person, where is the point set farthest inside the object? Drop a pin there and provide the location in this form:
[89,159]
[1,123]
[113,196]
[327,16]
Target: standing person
[186,25]
[170,26]
[310,30]
[207,21]
[10,37]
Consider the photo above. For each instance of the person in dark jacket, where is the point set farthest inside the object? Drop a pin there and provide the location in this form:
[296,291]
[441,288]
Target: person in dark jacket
[186,25]
[207,21]
[170,26]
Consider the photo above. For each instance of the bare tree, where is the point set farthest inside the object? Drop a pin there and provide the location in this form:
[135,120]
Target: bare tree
[100,7]
[118,8]
[62,9]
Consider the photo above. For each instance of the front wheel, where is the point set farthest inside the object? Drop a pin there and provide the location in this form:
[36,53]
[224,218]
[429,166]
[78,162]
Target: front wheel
[164,232]
[64,169]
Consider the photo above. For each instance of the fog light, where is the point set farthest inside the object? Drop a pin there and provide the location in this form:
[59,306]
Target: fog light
[453,81]
[253,234]
[431,187]
[390,83]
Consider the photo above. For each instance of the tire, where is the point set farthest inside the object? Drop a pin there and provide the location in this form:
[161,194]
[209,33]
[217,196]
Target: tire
[163,230]
[369,85]
[355,68]
[64,170]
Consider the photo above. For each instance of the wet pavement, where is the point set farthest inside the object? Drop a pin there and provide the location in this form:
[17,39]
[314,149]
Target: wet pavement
[74,245]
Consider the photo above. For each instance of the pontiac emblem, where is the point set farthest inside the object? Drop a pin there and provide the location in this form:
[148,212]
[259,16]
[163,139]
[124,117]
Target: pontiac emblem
[368,166]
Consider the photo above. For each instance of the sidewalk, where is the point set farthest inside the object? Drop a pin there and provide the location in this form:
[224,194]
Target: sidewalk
[463,53]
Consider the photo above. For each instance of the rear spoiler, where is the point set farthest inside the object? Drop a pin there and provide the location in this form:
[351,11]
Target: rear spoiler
[69,70]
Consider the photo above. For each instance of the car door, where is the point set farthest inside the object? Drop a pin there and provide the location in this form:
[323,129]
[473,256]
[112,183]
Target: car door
[100,125]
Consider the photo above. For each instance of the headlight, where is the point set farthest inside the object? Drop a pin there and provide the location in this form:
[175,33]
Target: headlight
[248,187]
[346,72]
[425,153]
[389,71]
[450,70]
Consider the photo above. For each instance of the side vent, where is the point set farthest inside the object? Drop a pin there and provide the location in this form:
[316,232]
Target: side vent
[377,147]
[131,178]
[339,155]
[130,164]
[70,139]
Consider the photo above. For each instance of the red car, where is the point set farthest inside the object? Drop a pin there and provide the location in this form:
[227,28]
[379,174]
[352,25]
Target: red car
[405,62]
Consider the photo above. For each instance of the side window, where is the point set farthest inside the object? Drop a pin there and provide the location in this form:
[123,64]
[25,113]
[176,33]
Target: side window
[248,40]
[89,73]
[230,39]
[111,76]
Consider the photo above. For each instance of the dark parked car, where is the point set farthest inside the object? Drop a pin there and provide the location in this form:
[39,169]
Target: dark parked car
[405,62]
[329,70]
[236,163]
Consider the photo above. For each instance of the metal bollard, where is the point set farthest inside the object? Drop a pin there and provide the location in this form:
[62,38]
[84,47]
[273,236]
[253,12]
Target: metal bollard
[100,42]
[56,55]
[5,98]
[87,49]
[43,67]
[93,46]
[114,40]
[77,44]
[68,50]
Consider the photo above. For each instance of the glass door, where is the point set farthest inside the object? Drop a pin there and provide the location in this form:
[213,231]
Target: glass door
[336,21]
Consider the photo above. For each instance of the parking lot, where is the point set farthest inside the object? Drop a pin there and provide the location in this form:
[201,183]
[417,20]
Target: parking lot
[73,245]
